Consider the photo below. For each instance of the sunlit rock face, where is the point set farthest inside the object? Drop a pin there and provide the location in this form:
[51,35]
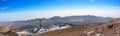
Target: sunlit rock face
[111,28]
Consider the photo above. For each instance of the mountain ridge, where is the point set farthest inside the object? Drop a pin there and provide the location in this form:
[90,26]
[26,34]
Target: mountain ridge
[70,20]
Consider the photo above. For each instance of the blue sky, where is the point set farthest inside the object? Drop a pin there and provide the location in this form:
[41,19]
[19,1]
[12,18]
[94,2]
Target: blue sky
[12,10]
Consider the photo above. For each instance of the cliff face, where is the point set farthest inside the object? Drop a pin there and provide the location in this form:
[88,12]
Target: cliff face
[111,28]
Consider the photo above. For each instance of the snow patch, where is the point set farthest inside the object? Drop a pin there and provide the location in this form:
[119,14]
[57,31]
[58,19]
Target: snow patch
[55,28]
[89,32]
[98,34]
[42,30]
[23,32]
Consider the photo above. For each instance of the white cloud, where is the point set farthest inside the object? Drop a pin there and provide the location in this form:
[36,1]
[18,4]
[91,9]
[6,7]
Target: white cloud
[3,0]
[4,8]
[47,14]
[115,7]
[92,1]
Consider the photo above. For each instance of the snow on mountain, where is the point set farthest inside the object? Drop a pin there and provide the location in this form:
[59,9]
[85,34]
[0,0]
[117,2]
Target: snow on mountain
[43,30]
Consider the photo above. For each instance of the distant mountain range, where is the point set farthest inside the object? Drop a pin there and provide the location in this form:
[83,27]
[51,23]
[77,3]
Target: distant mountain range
[57,20]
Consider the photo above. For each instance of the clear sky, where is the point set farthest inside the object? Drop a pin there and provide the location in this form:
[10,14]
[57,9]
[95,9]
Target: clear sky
[12,10]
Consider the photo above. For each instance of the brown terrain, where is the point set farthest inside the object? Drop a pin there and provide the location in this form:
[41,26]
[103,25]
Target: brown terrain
[72,31]
[111,28]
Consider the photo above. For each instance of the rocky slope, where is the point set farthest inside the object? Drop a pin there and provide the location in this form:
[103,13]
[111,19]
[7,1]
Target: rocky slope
[111,28]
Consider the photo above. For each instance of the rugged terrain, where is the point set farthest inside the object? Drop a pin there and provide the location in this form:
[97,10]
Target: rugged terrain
[72,31]
[70,20]
[111,28]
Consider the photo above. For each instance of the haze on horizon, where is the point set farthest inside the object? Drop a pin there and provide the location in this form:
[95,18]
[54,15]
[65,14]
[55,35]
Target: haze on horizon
[12,10]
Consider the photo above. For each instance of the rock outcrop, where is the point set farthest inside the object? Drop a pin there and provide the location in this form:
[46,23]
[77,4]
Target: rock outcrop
[111,28]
